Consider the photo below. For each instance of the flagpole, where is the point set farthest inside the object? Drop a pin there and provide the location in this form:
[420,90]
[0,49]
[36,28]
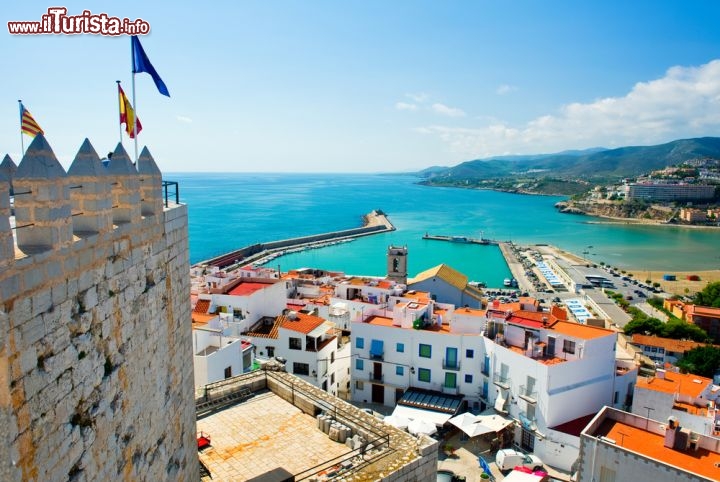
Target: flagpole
[135,114]
[22,142]
[119,111]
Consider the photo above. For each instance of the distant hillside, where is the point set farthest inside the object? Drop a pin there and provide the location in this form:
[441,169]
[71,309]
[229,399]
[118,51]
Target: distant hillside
[589,165]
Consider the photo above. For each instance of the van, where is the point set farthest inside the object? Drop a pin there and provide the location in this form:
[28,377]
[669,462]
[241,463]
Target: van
[508,459]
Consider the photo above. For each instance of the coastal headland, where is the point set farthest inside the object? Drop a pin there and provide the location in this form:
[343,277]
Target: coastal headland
[374,222]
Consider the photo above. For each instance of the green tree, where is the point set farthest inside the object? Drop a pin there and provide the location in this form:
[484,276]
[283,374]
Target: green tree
[682,330]
[644,326]
[709,296]
[703,360]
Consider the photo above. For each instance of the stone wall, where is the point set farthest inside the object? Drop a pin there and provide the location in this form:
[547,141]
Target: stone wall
[96,368]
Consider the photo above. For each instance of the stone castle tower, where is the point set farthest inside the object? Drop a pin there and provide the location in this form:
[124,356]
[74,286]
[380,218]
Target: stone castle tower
[397,264]
[96,364]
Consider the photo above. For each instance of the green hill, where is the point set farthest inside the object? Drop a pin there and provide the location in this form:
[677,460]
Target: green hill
[592,165]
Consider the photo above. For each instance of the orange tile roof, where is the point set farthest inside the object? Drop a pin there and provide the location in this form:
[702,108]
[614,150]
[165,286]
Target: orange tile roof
[668,344]
[201,318]
[245,288]
[701,461]
[303,324]
[708,311]
[577,330]
[201,306]
[685,384]
[469,311]
[385,321]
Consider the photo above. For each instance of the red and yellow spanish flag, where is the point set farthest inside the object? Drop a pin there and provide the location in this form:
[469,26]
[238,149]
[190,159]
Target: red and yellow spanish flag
[127,114]
[27,123]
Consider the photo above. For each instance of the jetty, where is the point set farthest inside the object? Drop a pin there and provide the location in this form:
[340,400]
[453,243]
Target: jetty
[460,239]
[374,222]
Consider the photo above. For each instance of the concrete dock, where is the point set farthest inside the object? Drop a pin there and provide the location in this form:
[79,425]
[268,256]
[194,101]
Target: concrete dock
[374,222]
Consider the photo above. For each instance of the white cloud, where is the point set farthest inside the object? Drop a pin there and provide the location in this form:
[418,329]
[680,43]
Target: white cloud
[421,97]
[505,89]
[684,103]
[405,106]
[185,119]
[448,111]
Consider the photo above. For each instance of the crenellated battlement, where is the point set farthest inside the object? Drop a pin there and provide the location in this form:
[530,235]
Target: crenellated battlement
[54,208]
[96,378]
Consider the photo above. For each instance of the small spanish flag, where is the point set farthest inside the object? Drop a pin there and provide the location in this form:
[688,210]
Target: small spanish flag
[127,115]
[27,123]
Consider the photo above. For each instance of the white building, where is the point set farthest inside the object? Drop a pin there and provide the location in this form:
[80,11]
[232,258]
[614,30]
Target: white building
[691,399]
[310,345]
[217,355]
[618,446]
[533,366]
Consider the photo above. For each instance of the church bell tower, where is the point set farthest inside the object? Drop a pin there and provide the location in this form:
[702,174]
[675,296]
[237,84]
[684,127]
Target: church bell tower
[397,264]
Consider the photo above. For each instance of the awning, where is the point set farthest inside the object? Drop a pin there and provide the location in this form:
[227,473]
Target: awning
[438,418]
[500,403]
[493,421]
[469,423]
[376,348]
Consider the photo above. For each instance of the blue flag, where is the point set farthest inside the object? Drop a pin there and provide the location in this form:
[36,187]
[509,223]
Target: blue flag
[484,465]
[141,63]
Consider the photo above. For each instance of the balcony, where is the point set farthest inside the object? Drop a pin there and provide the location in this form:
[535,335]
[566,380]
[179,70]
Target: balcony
[501,381]
[527,420]
[450,390]
[529,394]
[375,377]
[485,369]
[451,364]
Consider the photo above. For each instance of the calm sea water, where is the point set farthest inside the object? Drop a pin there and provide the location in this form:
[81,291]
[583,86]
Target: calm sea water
[229,211]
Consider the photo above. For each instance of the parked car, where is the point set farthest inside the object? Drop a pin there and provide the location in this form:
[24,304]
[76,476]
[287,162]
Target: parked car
[507,459]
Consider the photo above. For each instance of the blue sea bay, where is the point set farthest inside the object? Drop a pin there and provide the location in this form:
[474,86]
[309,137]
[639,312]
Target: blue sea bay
[229,211]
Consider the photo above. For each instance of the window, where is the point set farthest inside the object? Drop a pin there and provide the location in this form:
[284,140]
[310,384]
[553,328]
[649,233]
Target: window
[228,372]
[424,375]
[399,370]
[569,346]
[469,353]
[468,378]
[400,347]
[359,385]
[359,364]
[616,398]
[332,378]
[450,379]
[295,344]
[425,351]
[301,368]
[332,357]
[271,351]
[360,343]
[653,349]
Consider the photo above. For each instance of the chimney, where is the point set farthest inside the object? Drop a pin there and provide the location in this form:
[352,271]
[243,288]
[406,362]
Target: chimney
[660,373]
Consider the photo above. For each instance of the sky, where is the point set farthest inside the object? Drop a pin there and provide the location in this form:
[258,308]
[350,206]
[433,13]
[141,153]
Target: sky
[371,85]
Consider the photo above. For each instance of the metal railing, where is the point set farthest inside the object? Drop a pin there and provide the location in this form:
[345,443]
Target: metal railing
[503,381]
[450,364]
[168,191]
[528,393]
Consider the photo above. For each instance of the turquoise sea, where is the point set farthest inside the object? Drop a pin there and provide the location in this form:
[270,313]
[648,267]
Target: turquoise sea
[229,211]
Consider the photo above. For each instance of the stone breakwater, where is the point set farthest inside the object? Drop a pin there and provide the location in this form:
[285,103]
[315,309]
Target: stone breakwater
[373,223]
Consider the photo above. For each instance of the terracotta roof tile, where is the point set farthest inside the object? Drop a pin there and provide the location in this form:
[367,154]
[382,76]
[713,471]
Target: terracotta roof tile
[304,323]
[686,384]
[678,346]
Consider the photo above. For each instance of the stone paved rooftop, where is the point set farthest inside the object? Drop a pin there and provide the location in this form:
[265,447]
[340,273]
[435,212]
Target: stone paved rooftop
[261,434]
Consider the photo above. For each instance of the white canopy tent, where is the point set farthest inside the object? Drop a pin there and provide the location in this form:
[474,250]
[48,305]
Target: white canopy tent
[486,422]
[397,421]
[421,426]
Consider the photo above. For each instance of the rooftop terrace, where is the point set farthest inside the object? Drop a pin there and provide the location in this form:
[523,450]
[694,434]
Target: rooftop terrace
[273,425]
